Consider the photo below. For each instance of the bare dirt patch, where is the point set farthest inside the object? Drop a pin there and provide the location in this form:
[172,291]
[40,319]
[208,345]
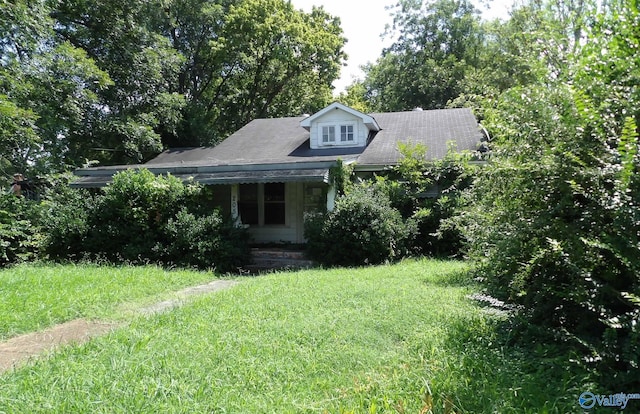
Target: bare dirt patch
[20,349]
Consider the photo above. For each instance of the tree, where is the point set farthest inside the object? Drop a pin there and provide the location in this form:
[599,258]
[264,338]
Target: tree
[111,82]
[437,42]
[139,106]
[553,220]
[251,59]
[47,87]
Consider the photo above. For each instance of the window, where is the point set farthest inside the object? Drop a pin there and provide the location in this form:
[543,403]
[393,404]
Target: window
[262,204]
[328,134]
[248,203]
[346,133]
[274,211]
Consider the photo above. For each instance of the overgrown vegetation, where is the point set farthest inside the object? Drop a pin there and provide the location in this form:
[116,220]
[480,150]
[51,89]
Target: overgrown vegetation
[139,218]
[362,229]
[554,219]
[400,213]
[394,338]
[427,193]
[19,234]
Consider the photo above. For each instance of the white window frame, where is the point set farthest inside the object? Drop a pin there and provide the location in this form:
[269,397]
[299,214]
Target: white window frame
[345,133]
[328,132]
[337,129]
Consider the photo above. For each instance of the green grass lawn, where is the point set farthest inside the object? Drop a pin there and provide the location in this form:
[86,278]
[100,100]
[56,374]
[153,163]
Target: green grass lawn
[402,338]
[35,297]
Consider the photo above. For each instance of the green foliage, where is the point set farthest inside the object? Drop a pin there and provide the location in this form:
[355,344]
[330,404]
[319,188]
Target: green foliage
[141,218]
[64,218]
[126,222]
[204,242]
[428,194]
[438,43]
[362,229]
[341,177]
[19,235]
[553,222]
[116,82]
[17,131]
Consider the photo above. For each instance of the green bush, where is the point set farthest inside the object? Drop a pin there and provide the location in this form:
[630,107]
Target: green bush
[64,214]
[429,194]
[19,233]
[126,222]
[140,218]
[362,229]
[204,242]
[555,226]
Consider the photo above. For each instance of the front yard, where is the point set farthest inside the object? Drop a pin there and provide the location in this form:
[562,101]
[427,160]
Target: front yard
[401,338]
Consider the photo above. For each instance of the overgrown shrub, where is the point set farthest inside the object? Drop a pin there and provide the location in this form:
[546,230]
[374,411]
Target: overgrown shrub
[127,220]
[64,215]
[428,193]
[204,242]
[555,225]
[19,233]
[141,218]
[362,229]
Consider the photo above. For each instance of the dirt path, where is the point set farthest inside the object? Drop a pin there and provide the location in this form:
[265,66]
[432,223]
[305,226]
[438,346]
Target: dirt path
[20,349]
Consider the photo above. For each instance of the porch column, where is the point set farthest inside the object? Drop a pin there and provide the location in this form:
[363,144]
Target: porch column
[235,193]
[331,198]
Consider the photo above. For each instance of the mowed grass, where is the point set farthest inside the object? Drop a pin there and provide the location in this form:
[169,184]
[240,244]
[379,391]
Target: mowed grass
[402,338]
[35,297]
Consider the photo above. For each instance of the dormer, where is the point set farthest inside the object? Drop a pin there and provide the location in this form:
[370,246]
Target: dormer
[338,126]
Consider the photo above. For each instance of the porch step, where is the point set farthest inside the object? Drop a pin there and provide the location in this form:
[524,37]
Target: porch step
[266,259]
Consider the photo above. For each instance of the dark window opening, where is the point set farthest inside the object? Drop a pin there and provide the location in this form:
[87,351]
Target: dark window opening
[274,203]
[248,203]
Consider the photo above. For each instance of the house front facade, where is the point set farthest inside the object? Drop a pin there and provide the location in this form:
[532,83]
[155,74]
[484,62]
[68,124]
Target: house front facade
[272,172]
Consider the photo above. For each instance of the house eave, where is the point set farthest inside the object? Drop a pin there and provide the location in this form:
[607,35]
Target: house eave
[372,167]
[216,175]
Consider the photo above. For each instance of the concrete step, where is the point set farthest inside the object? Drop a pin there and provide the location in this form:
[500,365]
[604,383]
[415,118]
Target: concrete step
[267,259]
[275,253]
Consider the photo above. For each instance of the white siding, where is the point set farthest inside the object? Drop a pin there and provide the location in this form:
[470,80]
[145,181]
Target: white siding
[338,117]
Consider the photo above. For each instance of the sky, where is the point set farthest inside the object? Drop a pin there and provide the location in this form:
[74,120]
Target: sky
[363,23]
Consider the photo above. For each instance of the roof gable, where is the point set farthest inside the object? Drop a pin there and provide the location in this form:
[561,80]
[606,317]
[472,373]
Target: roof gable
[368,120]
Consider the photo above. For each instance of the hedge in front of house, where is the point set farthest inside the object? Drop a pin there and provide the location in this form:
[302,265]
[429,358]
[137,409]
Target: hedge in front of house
[362,229]
[142,218]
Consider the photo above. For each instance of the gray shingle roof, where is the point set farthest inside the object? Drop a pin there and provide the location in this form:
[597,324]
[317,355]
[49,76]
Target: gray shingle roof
[262,141]
[283,140]
[435,129]
[278,149]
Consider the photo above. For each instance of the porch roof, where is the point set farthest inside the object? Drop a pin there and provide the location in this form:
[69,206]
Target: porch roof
[227,177]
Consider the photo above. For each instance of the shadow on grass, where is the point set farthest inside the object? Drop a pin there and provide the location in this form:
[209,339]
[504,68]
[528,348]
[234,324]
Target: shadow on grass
[456,278]
[486,372]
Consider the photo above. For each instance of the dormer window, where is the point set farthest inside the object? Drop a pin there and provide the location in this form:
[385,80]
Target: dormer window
[338,125]
[328,134]
[346,133]
[343,133]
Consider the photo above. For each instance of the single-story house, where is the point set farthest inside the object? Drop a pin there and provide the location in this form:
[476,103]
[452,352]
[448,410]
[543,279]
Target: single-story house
[272,171]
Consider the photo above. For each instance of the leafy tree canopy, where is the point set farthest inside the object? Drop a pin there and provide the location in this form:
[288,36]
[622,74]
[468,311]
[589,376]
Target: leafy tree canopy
[115,82]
